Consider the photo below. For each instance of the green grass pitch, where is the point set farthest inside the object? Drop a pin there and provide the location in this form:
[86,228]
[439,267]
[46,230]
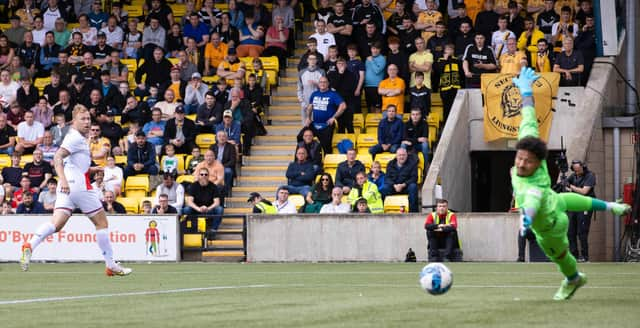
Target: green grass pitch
[313,295]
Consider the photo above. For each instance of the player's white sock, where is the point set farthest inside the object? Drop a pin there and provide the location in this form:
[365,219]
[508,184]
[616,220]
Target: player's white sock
[44,230]
[102,236]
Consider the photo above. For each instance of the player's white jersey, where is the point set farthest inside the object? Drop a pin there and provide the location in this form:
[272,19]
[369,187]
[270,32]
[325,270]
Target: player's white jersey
[77,164]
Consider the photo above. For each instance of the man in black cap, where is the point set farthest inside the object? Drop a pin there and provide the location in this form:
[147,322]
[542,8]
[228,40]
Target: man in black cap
[110,129]
[101,51]
[141,157]
[261,205]
[180,132]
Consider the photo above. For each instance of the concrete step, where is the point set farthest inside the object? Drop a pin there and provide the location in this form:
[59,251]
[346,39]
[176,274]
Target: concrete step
[260,180]
[289,80]
[293,62]
[232,222]
[287,110]
[267,160]
[265,191]
[288,90]
[229,231]
[264,171]
[286,130]
[223,256]
[266,150]
[274,140]
[281,98]
[278,120]
[239,210]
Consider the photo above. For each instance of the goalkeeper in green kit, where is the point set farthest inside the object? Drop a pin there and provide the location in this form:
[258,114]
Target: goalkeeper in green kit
[543,210]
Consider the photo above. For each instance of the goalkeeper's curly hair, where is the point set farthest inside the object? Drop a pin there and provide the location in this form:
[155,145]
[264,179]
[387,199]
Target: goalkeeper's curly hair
[534,145]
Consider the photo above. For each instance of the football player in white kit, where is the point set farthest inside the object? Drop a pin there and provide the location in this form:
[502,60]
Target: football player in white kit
[72,163]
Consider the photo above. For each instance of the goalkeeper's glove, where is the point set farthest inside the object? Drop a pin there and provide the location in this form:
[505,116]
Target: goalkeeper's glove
[525,80]
[525,224]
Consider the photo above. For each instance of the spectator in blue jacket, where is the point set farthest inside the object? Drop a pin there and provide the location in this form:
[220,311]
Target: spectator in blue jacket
[402,178]
[346,172]
[373,74]
[300,173]
[155,129]
[390,132]
[141,157]
[29,206]
[231,127]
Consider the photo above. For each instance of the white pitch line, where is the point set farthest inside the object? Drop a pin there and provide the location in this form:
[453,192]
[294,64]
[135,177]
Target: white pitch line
[141,293]
[458,273]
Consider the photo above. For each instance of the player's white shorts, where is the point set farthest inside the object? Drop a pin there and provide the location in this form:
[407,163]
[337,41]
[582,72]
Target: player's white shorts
[87,200]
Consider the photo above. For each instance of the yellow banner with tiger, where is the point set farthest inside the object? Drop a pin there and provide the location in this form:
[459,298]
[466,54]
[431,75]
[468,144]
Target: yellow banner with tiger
[502,104]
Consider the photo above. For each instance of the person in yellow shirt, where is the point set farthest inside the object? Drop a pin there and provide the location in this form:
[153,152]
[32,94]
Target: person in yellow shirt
[98,146]
[214,53]
[421,61]
[528,39]
[427,20]
[541,61]
[392,89]
[513,61]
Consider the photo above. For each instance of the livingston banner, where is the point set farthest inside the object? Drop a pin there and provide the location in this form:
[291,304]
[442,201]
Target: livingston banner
[502,104]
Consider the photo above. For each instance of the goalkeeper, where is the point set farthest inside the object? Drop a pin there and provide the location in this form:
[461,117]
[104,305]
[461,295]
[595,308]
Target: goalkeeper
[543,210]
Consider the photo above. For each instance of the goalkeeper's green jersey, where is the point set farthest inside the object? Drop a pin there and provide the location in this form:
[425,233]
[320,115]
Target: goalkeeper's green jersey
[534,191]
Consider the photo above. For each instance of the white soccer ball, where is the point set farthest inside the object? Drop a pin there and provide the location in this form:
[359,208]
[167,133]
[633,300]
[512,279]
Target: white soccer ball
[436,278]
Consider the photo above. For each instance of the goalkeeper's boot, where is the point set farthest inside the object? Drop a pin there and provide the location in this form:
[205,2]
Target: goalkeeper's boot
[620,209]
[568,288]
[117,270]
[25,259]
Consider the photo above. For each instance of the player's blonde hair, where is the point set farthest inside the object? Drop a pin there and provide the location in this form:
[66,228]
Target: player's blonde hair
[79,109]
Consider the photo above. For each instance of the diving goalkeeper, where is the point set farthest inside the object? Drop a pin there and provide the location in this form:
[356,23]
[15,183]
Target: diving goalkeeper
[542,210]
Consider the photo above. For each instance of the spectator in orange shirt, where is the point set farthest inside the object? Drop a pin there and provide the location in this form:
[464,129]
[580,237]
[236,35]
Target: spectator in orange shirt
[392,89]
[214,54]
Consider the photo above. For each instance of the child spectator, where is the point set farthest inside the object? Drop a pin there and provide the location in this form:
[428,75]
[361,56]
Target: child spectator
[170,161]
[420,95]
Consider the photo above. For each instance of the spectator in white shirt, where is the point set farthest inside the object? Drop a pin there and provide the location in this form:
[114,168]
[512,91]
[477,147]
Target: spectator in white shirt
[30,134]
[282,203]
[336,205]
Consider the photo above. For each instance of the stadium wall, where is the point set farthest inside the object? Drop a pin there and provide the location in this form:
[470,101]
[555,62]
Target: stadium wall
[318,238]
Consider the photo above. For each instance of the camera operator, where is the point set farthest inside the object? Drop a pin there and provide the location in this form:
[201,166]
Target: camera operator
[581,181]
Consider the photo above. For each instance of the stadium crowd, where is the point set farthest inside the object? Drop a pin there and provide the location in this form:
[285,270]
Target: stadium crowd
[192,78]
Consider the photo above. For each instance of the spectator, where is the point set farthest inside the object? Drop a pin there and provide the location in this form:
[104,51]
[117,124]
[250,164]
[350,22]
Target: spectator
[261,205]
[427,20]
[28,53]
[247,116]
[168,105]
[38,171]
[110,204]
[30,134]
[228,32]
[180,132]
[101,51]
[547,18]
[52,90]
[324,38]
[513,60]
[562,29]
[196,158]
[197,30]
[300,173]
[163,206]
[25,187]
[251,37]
[408,34]
[465,38]
[209,114]
[394,21]
[313,147]
[441,227]
[374,74]
[345,83]
[392,90]
[390,131]
[153,37]
[109,128]
[226,154]
[169,162]
[336,205]
[98,146]
[421,61]
[118,72]
[114,33]
[173,191]
[499,38]
[8,89]
[324,107]
[455,22]
[365,13]
[132,40]
[420,95]
[60,32]
[282,204]
[332,60]
[543,59]
[28,206]
[208,13]
[15,33]
[340,25]
[347,170]
[214,167]
[308,82]
[6,208]
[528,39]
[12,175]
[113,176]
[89,72]
[214,53]
[231,128]
[98,184]
[157,70]
[487,20]
[231,67]
[398,57]
[312,49]
[136,112]
[195,92]
[569,63]
[65,104]
[48,198]
[42,112]
[203,198]
[324,11]
[48,56]
[7,136]
[361,206]
[477,59]
[416,131]
[376,175]
[155,129]
[319,194]
[356,66]
[402,177]
[74,51]
[586,44]
[368,190]
[15,115]
[47,147]
[515,21]
[141,157]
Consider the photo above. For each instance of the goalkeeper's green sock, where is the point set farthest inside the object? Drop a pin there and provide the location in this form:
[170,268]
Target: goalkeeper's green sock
[578,203]
[567,265]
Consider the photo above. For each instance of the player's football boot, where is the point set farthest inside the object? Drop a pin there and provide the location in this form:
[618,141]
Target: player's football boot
[567,289]
[25,259]
[118,270]
[620,209]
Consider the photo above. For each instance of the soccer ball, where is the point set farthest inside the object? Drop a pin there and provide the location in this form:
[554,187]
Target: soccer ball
[436,278]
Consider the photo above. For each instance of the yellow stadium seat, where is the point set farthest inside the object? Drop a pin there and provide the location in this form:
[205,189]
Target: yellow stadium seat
[341,136]
[331,161]
[5,161]
[406,117]
[41,82]
[178,9]
[132,64]
[210,79]
[297,200]
[366,160]
[192,240]
[433,134]
[332,173]
[384,159]
[28,158]
[121,159]
[180,162]
[137,182]
[365,141]
[372,120]
[173,61]
[130,204]
[358,121]
[191,117]
[134,11]
[185,178]
[204,140]
[395,204]
[136,193]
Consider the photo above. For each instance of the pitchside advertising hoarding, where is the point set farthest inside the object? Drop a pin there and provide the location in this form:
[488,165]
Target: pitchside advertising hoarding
[134,238]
